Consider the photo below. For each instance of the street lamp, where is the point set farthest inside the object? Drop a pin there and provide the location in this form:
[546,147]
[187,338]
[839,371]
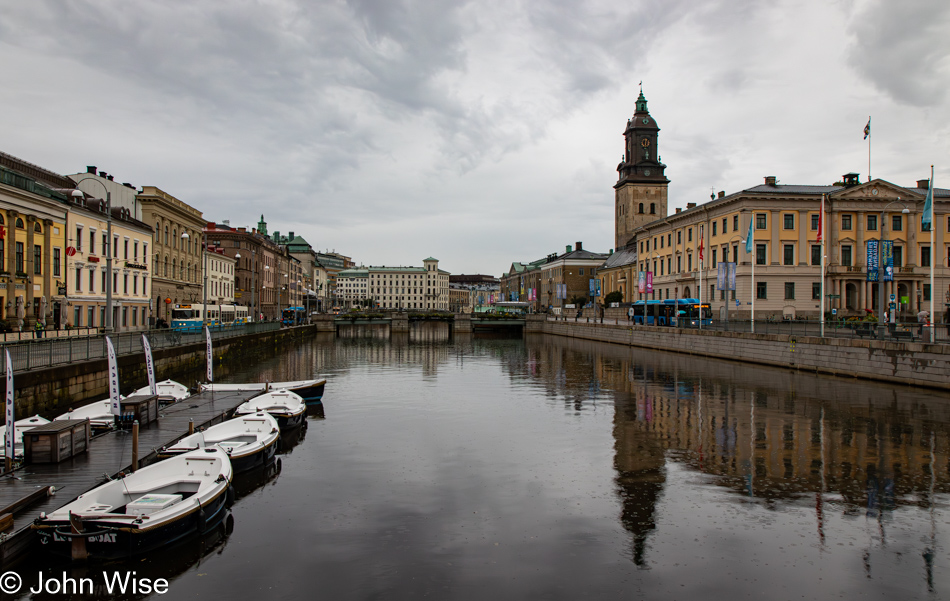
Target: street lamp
[237,258]
[107,326]
[204,270]
[263,285]
[880,267]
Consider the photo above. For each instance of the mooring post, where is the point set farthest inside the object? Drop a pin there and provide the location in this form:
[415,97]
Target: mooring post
[135,445]
[191,427]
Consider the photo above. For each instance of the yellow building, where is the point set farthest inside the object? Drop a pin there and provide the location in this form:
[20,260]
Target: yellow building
[32,249]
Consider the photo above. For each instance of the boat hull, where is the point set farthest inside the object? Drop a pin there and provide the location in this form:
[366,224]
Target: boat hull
[290,421]
[313,394]
[239,462]
[119,541]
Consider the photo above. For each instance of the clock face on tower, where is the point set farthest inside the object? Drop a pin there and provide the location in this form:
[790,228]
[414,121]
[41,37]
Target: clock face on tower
[645,142]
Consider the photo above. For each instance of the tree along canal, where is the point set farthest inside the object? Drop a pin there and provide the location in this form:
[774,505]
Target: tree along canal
[472,468]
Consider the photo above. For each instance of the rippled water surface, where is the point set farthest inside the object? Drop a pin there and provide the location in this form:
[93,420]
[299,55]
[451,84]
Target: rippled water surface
[549,468]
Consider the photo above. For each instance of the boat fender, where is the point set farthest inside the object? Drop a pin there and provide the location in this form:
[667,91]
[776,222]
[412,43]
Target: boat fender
[279,465]
[229,498]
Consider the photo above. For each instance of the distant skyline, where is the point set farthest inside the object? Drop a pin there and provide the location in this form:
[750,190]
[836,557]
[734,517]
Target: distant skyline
[480,132]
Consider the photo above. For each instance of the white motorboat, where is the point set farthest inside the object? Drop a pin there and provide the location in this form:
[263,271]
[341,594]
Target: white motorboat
[311,391]
[99,414]
[169,391]
[153,507]
[287,408]
[249,440]
[20,426]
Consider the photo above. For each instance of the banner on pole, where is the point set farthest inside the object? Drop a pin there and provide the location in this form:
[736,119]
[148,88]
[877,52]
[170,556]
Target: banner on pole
[210,355]
[113,378]
[872,261]
[149,365]
[11,428]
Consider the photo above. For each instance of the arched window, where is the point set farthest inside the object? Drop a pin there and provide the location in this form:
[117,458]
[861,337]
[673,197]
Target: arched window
[165,271]
[37,228]
[652,208]
[641,209]
[175,238]
[19,223]
[1,220]
[166,235]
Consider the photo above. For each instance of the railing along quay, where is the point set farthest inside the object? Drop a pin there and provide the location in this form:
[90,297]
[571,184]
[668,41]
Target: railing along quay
[43,353]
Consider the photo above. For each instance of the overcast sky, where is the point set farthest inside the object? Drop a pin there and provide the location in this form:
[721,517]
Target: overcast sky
[480,132]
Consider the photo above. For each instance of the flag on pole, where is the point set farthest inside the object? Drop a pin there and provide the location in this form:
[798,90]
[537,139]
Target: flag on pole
[11,429]
[821,217]
[748,238]
[210,356]
[700,244]
[113,378]
[867,129]
[927,218]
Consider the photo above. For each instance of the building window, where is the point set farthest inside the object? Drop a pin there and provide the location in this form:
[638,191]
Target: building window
[78,238]
[78,279]
[927,292]
[77,317]
[760,254]
[689,232]
[714,256]
[57,261]
[816,254]
[724,224]
[760,221]
[761,290]
[37,259]
[689,262]
[788,221]
[816,291]
[788,254]
[846,255]
[872,223]
[814,222]
[846,222]
[925,256]
[19,257]
[789,290]
[581,272]
[652,208]
[924,227]
[669,239]
[898,256]
[92,281]
[105,242]
[735,223]
[640,209]
[2,255]
[897,223]
[714,228]
[126,248]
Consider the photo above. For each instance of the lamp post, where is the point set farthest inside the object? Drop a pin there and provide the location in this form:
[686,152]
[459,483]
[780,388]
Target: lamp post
[263,285]
[107,326]
[204,270]
[880,266]
[237,257]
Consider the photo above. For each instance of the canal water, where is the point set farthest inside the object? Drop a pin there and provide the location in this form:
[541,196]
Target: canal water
[551,468]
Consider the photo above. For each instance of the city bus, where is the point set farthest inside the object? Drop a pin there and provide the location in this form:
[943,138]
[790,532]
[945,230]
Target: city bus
[292,316]
[648,313]
[190,317]
[687,312]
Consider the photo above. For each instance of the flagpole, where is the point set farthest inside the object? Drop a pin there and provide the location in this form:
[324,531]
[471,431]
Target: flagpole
[933,256]
[868,129]
[821,237]
[701,276]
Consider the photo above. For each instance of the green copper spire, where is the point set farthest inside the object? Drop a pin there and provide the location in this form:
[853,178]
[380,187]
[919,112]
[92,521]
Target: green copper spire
[262,226]
[642,103]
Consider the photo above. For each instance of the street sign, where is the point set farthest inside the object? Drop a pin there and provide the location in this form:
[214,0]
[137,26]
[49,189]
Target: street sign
[833,296]
[893,297]
[834,311]
[70,251]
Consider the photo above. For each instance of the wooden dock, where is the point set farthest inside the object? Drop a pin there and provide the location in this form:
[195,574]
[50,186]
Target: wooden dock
[24,496]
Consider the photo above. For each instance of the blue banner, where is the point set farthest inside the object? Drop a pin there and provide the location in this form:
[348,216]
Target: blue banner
[887,258]
[731,276]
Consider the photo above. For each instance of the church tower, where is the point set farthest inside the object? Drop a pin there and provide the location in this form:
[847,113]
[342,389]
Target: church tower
[641,190]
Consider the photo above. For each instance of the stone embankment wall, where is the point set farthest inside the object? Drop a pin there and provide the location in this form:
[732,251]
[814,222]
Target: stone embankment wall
[901,362]
[50,392]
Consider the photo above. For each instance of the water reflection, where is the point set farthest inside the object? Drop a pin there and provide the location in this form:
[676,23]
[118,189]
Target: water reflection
[775,438]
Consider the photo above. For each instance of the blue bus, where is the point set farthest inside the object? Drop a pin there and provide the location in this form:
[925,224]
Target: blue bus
[687,312]
[292,316]
[683,312]
[189,318]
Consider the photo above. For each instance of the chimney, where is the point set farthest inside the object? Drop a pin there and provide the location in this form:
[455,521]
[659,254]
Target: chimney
[769,180]
[243,230]
[691,205]
[128,185]
[91,169]
[579,247]
[722,193]
[568,247]
[110,177]
[923,184]
[290,235]
[104,174]
[678,209]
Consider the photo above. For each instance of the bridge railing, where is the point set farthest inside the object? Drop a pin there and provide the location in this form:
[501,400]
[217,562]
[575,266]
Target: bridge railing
[49,352]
